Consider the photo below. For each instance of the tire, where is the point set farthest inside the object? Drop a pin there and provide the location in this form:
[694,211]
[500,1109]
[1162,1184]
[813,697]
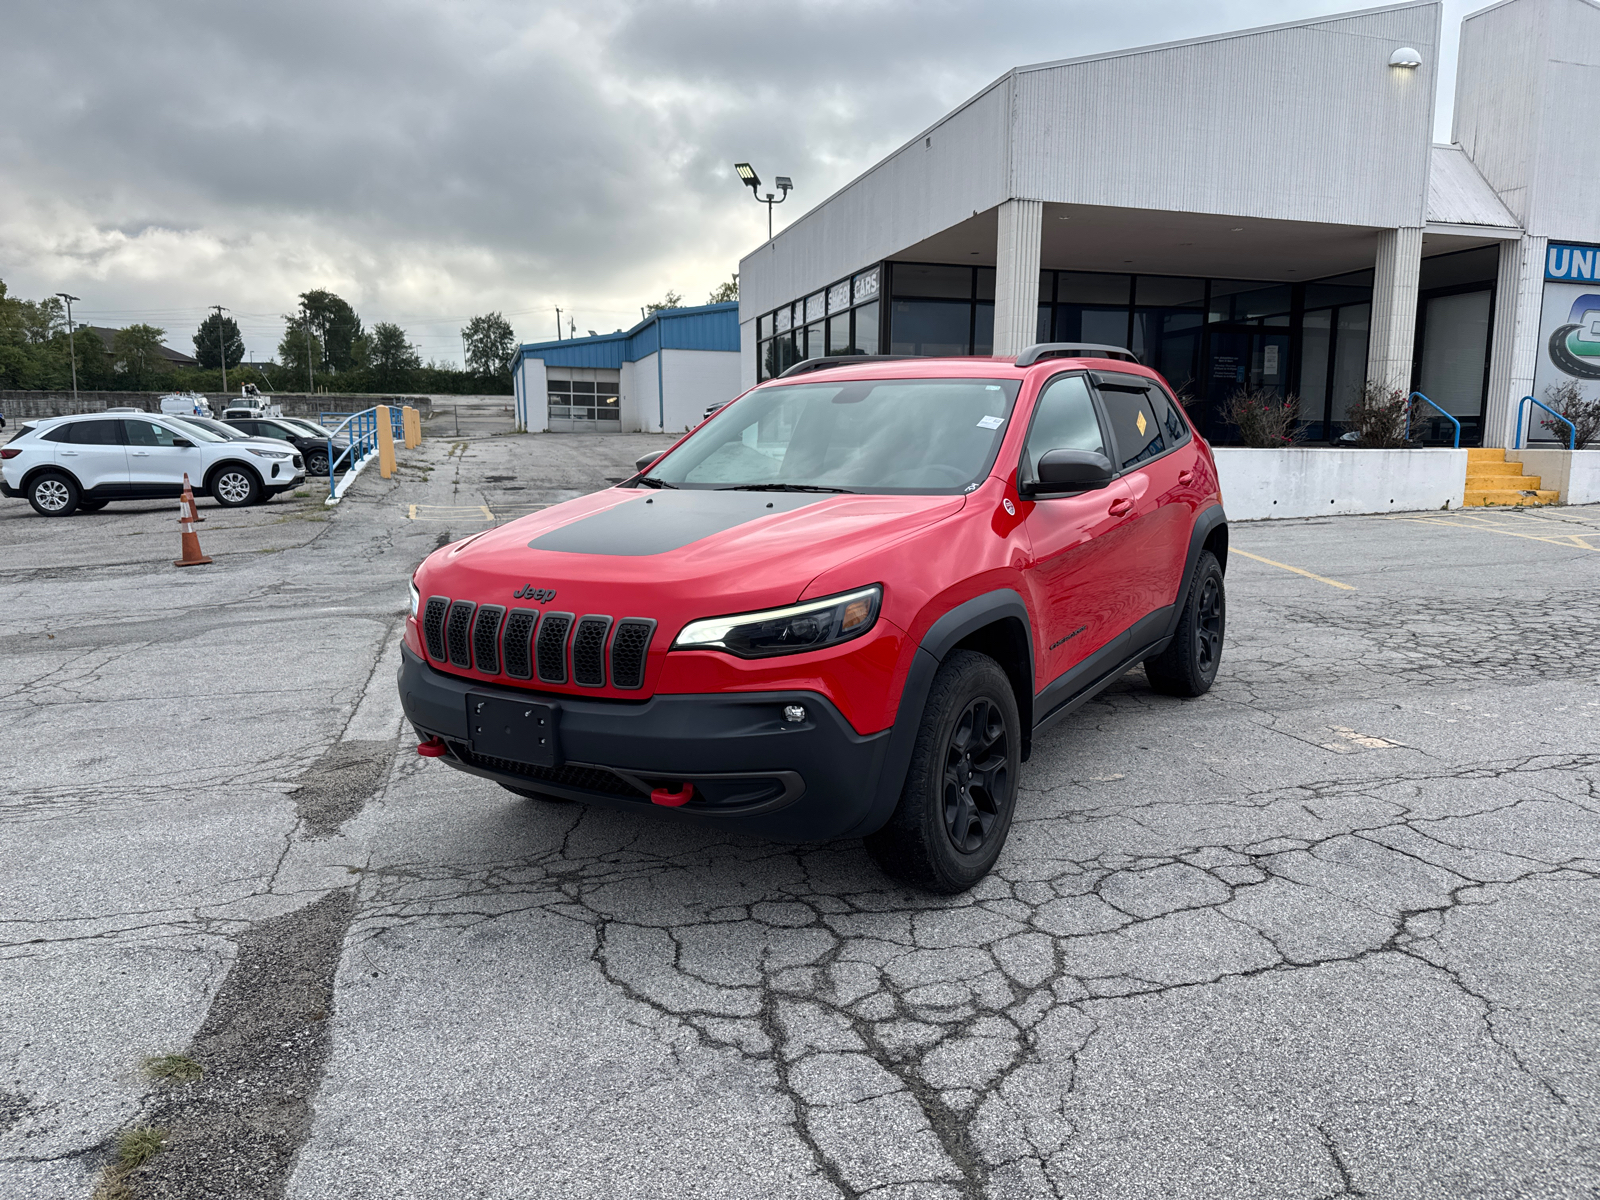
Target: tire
[317,463]
[1188,666]
[91,505]
[954,813]
[234,486]
[527,795]
[53,494]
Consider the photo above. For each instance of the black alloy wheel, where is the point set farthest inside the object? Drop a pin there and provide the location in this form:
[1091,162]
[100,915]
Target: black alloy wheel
[977,775]
[1188,666]
[317,462]
[960,790]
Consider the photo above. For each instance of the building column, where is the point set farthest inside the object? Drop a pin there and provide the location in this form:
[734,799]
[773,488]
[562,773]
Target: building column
[1016,277]
[1394,307]
[1514,348]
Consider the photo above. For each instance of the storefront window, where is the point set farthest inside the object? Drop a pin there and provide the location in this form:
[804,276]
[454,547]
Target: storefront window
[839,334]
[924,279]
[866,332]
[866,286]
[1316,339]
[930,327]
[1349,358]
[839,296]
[815,307]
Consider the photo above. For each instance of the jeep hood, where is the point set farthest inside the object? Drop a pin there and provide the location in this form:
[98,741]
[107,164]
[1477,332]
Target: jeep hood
[722,551]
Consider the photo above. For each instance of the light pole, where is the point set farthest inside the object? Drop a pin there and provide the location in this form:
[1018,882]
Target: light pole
[72,350]
[751,180]
[222,346]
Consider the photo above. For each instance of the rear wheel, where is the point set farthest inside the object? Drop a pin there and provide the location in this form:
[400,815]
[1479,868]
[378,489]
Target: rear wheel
[956,807]
[1188,666]
[53,494]
[317,463]
[234,487]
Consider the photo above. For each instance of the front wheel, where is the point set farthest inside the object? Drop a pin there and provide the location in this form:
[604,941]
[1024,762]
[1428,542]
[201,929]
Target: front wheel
[54,495]
[234,487]
[1188,666]
[955,809]
[317,463]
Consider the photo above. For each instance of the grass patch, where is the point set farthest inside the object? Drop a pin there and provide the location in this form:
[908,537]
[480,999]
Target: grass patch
[177,1068]
[302,495]
[135,1147]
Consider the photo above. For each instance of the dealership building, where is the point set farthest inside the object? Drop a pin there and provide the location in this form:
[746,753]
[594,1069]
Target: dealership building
[1259,209]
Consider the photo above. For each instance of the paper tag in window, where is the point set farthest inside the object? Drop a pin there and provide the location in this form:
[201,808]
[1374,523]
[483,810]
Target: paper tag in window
[991,422]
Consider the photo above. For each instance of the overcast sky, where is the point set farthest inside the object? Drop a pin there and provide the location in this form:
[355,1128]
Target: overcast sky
[432,159]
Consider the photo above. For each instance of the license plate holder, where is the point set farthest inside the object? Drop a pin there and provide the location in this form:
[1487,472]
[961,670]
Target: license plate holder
[523,731]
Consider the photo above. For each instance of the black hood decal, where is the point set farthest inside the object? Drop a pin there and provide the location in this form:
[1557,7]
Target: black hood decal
[666,520]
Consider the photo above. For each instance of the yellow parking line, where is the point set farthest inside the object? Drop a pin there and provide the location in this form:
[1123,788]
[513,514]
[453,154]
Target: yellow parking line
[1567,541]
[1346,587]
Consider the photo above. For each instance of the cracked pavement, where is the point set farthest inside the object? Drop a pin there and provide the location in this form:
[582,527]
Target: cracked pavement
[1330,930]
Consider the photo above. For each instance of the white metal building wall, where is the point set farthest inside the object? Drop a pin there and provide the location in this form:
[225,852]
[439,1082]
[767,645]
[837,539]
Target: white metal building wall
[1305,121]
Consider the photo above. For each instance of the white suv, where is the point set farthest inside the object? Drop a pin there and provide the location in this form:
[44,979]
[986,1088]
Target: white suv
[68,463]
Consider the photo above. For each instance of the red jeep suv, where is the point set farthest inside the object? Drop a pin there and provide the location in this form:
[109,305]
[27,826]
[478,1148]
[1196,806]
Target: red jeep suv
[843,606]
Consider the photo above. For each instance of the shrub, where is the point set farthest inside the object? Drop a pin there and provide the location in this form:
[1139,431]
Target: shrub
[1567,400]
[1264,418]
[1378,416]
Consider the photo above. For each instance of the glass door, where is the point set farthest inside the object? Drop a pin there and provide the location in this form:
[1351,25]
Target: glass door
[1240,357]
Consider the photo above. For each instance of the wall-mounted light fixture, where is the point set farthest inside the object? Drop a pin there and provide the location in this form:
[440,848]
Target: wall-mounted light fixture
[1405,57]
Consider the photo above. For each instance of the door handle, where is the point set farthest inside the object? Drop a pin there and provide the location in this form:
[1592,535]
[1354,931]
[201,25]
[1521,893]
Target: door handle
[140,453]
[1186,477]
[69,454]
[1120,508]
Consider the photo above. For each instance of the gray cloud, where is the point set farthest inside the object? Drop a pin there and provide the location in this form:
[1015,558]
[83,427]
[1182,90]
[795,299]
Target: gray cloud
[429,160]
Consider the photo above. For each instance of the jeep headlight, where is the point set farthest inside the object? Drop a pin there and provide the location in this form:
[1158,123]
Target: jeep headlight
[811,625]
[416,596]
[268,453]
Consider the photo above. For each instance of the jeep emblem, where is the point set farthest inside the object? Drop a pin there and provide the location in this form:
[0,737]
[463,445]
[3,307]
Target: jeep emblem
[538,595]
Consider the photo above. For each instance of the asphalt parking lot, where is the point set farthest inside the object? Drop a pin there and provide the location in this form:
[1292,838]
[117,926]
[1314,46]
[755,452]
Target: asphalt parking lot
[1331,929]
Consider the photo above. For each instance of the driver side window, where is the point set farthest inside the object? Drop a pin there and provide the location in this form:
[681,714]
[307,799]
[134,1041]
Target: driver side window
[1064,419]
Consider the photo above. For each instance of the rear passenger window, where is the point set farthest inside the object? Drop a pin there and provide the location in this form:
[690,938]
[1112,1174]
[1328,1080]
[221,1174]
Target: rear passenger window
[94,433]
[1133,425]
[1064,419]
[1173,426]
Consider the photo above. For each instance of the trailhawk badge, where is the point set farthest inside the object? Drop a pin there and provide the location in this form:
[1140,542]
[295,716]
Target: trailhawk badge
[538,595]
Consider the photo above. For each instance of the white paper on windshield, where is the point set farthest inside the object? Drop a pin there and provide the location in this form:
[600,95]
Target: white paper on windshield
[991,422]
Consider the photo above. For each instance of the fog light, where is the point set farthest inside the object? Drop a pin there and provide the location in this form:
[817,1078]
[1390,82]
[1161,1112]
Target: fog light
[794,713]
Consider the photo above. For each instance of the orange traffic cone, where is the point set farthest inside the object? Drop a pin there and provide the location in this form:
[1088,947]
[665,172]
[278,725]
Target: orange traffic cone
[186,519]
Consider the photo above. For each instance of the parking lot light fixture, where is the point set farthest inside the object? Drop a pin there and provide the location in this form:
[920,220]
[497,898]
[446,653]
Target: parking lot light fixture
[751,180]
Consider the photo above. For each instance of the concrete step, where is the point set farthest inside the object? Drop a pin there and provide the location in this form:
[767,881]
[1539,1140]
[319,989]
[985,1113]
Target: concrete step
[1493,470]
[1490,454]
[1506,498]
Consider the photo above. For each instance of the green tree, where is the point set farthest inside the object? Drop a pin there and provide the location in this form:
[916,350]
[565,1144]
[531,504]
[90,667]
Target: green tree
[670,300]
[490,345]
[217,335]
[136,355]
[336,327]
[393,356]
[724,292]
[298,347]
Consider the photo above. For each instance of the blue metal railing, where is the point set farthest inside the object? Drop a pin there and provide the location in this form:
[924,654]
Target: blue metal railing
[1522,407]
[396,419]
[362,431]
[1456,445]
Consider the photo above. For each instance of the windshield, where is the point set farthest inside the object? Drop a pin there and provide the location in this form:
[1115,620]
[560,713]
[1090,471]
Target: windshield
[214,427]
[879,435]
[308,427]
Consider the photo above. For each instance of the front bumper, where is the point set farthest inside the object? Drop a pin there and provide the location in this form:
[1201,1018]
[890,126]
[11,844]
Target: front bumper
[751,770]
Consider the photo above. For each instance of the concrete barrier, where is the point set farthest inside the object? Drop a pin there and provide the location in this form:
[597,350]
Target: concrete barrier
[1260,485]
[1573,473]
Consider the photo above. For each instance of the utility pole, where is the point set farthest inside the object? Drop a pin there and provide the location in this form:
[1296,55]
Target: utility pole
[558,323]
[310,354]
[222,346]
[72,350]
[572,325]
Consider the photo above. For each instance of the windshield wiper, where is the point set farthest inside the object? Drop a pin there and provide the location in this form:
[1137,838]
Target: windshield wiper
[783,487]
[645,481]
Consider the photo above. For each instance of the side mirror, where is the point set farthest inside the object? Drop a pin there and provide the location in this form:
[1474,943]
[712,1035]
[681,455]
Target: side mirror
[1062,471]
[645,461]
[183,442]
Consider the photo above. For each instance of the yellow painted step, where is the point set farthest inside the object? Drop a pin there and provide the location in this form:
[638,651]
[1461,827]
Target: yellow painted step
[1489,454]
[1505,498]
[1493,470]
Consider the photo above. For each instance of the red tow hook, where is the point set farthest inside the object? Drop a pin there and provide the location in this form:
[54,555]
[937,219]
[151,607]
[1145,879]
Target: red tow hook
[434,747]
[673,799]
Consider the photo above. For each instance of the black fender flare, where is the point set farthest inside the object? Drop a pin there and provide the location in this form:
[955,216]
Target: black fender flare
[50,468]
[1206,523]
[1000,605]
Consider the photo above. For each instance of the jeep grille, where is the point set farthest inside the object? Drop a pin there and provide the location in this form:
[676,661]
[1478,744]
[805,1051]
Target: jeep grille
[526,644]
[519,643]
[455,633]
[589,651]
[486,639]
[552,647]
[433,627]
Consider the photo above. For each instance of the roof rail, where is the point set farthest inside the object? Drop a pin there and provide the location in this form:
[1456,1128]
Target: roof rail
[1045,350]
[841,360]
